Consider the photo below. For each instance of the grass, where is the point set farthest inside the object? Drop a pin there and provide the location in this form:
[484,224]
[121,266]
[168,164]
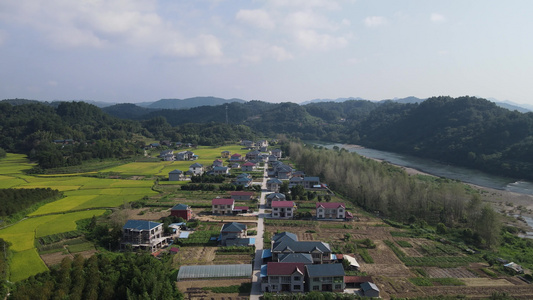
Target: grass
[365,256]
[244,288]
[80,247]
[404,244]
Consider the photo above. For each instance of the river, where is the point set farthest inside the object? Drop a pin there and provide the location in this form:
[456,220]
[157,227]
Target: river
[442,170]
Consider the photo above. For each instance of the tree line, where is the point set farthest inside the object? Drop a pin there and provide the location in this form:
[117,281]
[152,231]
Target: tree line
[128,276]
[389,191]
[17,200]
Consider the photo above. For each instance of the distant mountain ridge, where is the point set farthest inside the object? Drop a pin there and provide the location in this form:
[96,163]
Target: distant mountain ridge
[189,102]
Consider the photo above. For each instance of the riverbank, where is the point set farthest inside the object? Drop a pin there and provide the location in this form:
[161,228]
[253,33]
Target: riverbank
[506,202]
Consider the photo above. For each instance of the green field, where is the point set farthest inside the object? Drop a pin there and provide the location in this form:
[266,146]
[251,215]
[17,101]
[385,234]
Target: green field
[25,264]
[84,196]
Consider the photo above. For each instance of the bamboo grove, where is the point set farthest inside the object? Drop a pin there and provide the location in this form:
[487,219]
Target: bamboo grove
[389,191]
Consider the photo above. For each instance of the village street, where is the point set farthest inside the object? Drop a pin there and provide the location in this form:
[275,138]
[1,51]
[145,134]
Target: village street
[256,276]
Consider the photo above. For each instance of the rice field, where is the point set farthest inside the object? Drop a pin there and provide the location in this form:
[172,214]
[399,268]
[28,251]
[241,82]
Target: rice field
[14,164]
[138,168]
[26,263]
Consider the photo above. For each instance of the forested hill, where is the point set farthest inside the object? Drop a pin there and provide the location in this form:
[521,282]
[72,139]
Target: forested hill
[466,131]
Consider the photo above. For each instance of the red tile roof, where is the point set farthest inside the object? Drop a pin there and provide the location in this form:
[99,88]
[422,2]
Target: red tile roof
[330,204]
[282,204]
[240,208]
[277,268]
[249,164]
[221,201]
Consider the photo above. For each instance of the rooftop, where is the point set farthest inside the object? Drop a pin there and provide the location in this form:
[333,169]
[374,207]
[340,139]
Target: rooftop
[140,225]
[222,201]
[330,204]
[280,268]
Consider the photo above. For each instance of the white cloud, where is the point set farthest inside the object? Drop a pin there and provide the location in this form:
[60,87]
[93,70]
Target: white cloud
[313,40]
[257,51]
[135,24]
[256,17]
[308,19]
[375,21]
[305,4]
[437,18]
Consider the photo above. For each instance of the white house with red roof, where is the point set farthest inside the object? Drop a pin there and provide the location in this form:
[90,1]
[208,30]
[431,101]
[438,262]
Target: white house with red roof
[283,209]
[283,277]
[248,167]
[221,206]
[235,157]
[331,210]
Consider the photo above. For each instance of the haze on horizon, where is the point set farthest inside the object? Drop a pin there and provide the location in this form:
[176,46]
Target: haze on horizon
[270,50]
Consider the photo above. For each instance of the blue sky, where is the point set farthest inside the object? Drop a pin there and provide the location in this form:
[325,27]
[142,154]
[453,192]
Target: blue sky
[270,50]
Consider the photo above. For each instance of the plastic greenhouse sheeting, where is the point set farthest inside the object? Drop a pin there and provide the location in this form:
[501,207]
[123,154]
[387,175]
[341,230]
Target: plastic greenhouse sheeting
[214,271]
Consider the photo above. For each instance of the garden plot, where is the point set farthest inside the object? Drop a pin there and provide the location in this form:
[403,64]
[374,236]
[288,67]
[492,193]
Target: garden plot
[194,256]
[397,286]
[388,270]
[433,272]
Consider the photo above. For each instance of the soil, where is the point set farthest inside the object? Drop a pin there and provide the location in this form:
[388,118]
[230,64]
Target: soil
[184,285]
[52,259]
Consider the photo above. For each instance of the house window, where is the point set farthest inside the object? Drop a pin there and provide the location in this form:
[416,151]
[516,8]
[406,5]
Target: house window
[215,206]
[316,279]
[296,287]
[315,288]
[296,278]
[337,286]
[275,278]
[274,287]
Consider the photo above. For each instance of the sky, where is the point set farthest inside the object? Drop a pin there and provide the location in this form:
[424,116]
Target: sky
[130,51]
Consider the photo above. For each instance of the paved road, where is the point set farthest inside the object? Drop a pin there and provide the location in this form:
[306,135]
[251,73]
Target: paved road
[256,279]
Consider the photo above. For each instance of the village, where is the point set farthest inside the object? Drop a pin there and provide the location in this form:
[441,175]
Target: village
[285,263]
[276,229]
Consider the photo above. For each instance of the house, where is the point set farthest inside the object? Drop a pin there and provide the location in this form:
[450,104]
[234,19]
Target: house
[263,148]
[294,181]
[248,167]
[274,197]
[330,210]
[305,258]
[240,210]
[167,155]
[185,155]
[221,206]
[217,163]
[225,154]
[242,195]
[220,170]
[252,155]
[369,289]
[247,144]
[196,169]
[287,243]
[262,143]
[325,278]
[167,143]
[277,153]
[272,158]
[235,157]
[273,184]
[176,175]
[143,235]
[243,179]
[283,171]
[298,174]
[283,209]
[311,182]
[231,232]
[182,210]
[235,165]
[284,277]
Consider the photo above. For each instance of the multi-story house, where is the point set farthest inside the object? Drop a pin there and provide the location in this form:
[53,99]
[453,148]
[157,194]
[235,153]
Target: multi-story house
[332,210]
[325,278]
[176,175]
[181,210]
[248,167]
[231,233]
[287,243]
[143,235]
[283,209]
[274,197]
[222,206]
[196,169]
[284,277]
[273,184]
